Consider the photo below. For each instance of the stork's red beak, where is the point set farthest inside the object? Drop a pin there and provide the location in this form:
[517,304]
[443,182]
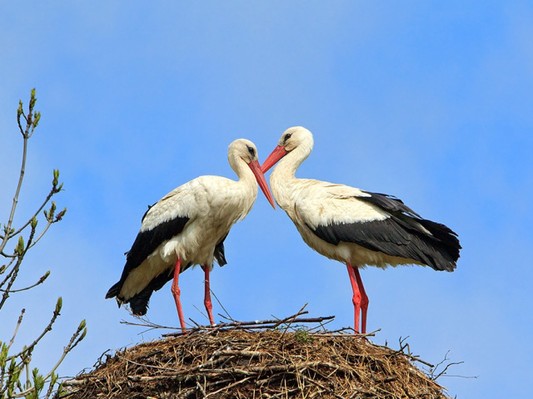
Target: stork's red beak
[278,153]
[260,177]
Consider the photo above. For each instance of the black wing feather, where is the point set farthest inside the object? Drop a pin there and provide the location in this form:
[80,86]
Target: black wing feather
[400,235]
[139,302]
[145,243]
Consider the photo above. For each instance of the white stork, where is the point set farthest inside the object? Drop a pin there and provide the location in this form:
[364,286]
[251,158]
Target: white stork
[354,226]
[188,227]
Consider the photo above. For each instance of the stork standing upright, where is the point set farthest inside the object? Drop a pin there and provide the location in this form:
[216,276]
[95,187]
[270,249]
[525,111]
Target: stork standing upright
[354,226]
[188,227]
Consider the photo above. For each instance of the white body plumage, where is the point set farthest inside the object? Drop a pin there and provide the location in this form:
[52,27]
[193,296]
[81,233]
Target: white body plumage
[188,226]
[212,204]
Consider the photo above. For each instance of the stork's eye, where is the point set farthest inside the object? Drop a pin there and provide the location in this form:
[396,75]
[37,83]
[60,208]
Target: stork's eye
[287,136]
[251,150]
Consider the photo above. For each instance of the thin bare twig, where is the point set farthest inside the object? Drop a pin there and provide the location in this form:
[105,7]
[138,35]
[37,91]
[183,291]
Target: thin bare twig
[46,330]
[289,320]
[40,281]
[445,369]
[16,196]
[221,305]
[19,322]
[10,280]
[252,325]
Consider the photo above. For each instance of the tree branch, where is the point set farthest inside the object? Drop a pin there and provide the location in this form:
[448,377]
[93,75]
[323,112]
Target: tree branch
[40,281]
[47,329]
[14,367]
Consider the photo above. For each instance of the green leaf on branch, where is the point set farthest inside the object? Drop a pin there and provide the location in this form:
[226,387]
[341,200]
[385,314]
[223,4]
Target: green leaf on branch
[33,99]
[38,384]
[55,181]
[21,246]
[59,305]
[3,355]
[36,119]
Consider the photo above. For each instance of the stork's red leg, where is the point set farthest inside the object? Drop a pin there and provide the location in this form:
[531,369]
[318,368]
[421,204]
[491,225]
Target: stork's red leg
[176,293]
[359,298]
[364,300]
[207,295]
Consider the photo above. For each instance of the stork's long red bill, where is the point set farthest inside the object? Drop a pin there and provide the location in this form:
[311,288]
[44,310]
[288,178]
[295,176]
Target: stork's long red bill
[260,177]
[278,153]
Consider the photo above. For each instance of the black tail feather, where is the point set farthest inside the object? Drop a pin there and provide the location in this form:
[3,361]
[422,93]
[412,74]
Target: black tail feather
[439,249]
[445,242]
[139,302]
[219,254]
[114,290]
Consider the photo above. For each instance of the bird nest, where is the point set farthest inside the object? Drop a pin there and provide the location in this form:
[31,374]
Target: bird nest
[236,361]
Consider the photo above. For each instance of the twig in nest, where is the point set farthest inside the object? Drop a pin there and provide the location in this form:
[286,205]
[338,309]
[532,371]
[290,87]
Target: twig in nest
[289,320]
[220,304]
[148,324]
[443,373]
[405,345]
[256,324]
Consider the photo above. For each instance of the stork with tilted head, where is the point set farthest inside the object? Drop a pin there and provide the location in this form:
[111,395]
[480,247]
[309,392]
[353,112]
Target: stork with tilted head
[354,226]
[188,227]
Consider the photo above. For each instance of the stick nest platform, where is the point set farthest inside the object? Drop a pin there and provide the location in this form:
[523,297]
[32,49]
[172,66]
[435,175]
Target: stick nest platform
[237,361]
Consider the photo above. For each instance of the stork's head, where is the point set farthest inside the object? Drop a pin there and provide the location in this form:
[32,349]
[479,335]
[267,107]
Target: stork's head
[293,138]
[245,150]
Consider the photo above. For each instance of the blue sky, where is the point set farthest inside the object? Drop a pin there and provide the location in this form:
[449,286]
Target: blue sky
[428,101]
